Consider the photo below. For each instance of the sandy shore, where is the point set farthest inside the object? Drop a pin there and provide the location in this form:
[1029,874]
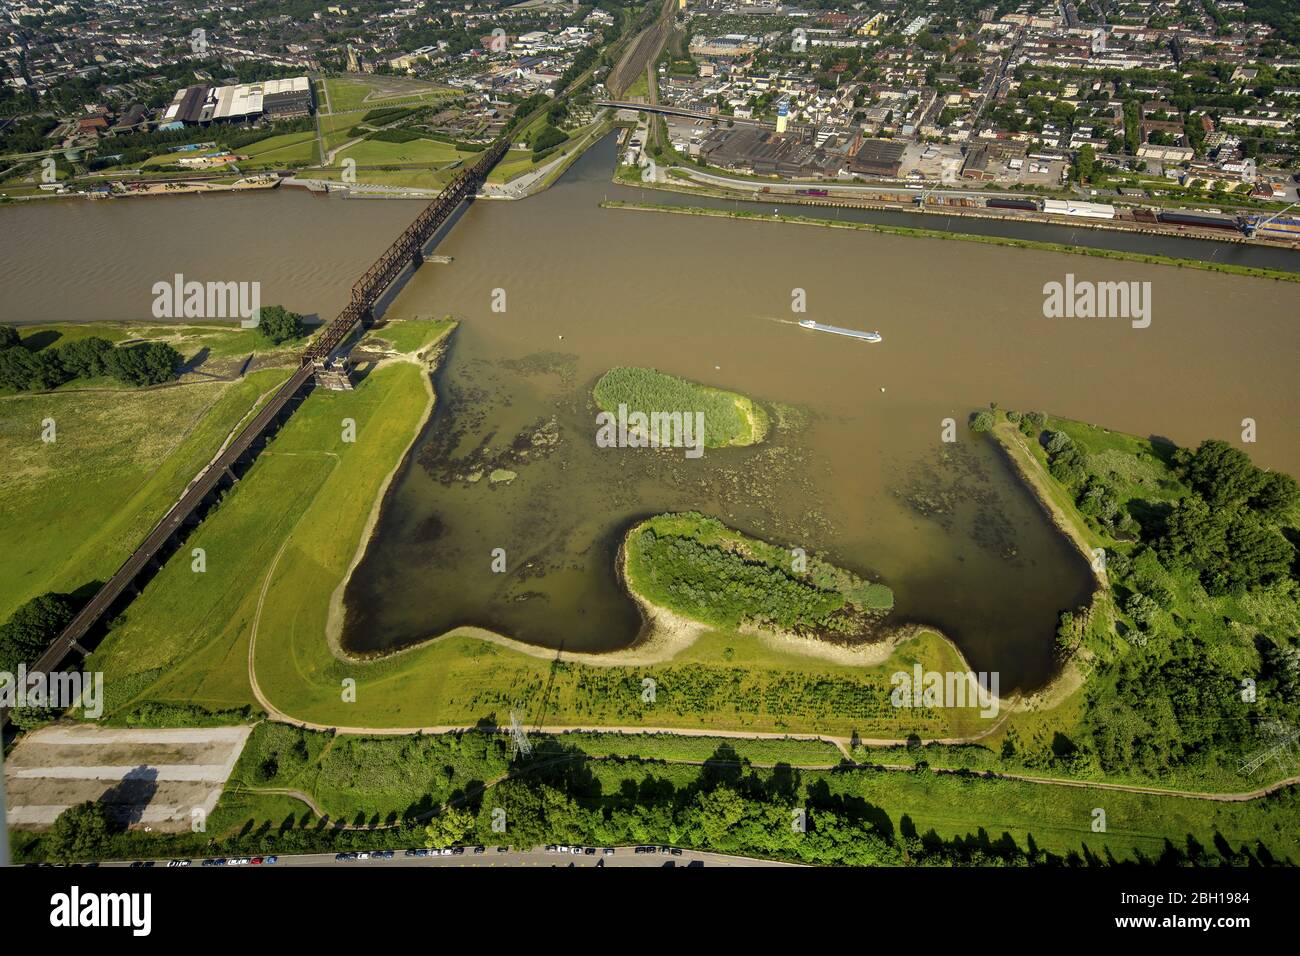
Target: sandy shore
[334,621]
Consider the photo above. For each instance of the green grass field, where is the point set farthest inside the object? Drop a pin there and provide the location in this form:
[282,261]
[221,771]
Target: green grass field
[513,164]
[337,128]
[376,780]
[375,152]
[368,93]
[287,149]
[410,335]
[729,418]
[81,503]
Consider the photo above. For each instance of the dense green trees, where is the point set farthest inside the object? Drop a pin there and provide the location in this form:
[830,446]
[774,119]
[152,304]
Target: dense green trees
[546,138]
[277,324]
[449,827]
[32,627]
[1227,529]
[1085,162]
[146,363]
[713,575]
[79,833]
[150,363]
[1166,709]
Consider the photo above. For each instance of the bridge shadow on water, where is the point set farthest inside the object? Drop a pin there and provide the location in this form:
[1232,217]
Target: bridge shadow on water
[390,295]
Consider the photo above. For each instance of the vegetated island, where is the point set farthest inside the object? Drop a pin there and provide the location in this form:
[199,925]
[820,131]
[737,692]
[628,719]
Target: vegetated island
[696,566]
[730,419]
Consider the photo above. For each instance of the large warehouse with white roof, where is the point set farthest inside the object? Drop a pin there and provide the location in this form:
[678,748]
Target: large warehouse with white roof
[275,99]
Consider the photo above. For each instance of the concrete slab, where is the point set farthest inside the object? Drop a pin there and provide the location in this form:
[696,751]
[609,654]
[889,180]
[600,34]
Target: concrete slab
[147,777]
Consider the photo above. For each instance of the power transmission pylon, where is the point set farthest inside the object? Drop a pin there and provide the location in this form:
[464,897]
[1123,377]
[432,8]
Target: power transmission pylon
[519,745]
[1283,738]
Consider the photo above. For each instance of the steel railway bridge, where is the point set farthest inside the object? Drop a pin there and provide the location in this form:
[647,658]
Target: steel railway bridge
[223,471]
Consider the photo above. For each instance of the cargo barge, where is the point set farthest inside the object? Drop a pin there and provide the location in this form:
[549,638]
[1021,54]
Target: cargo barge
[851,333]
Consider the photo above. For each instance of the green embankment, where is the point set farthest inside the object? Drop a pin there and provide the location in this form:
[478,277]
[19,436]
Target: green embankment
[185,638]
[729,418]
[702,569]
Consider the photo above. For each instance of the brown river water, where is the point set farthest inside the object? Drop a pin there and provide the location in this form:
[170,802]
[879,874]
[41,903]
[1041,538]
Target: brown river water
[856,469]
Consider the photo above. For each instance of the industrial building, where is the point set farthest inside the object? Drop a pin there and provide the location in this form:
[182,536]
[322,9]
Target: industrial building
[879,157]
[242,102]
[1074,207]
[764,153]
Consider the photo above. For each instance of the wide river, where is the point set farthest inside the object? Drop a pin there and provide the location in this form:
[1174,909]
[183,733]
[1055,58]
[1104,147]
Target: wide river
[856,470]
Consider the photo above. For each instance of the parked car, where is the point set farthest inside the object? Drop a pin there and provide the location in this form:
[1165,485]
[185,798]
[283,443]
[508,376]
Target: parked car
[272,860]
[480,848]
[677,851]
[590,851]
[256,861]
[609,851]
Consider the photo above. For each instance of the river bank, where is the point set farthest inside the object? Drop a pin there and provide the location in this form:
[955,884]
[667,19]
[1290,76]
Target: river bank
[1228,268]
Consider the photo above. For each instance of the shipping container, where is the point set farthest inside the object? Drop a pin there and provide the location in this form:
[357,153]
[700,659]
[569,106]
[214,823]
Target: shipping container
[1027,204]
[1185,217]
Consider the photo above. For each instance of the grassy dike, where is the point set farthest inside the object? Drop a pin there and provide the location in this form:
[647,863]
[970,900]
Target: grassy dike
[1229,268]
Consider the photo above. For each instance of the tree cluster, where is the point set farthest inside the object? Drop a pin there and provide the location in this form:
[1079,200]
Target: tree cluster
[146,363]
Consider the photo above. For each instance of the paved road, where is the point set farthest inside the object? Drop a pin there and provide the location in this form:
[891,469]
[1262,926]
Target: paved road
[621,857]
